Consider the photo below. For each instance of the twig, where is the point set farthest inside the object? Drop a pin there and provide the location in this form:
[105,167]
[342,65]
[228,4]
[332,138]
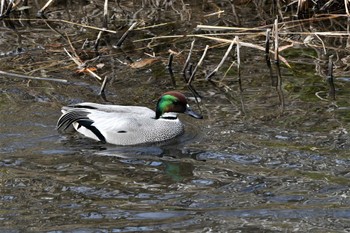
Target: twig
[2,7]
[198,65]
[32,77]
[154,26]
[235,14]
[105,26]
[170,62]
[341,33]
[97,41]
[170,68]
[277,63]
[187,62]
[121,40]
[78,61]
[93,74]
[222,60]
[239,73]
[81,65]
[105,14]
[279,9]
[189,83]
[267,50]
[346,2]
[40,13]
[81,25]
[323,46]
[7,11]
[239,64]
[221,28]
[228,69]
[68,22]
[267,58]
[244,44]
[317,94]
[215,13]
[276,40]
[9,24]
[330,79]
[103,87]
[189,71]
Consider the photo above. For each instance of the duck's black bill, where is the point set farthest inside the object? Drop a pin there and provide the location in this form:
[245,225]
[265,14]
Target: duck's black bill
[192,113]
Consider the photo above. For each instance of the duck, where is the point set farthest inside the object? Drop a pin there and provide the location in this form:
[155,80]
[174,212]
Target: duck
[128,125]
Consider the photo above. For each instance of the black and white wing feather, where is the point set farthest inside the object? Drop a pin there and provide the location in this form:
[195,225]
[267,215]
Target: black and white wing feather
[79,116]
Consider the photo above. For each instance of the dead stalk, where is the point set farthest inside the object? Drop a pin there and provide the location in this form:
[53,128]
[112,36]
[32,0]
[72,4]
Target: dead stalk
[277,63]
[346,2]
[244,44]
[330,79]
[105,14]
[103,87]
[239,74]
[190,80]
[222,60]
[81,65]
[31,77]
[105,26]
[121,40]
[323,45]
[199,64]
[268,59]
[239,63]
[40,13]
[97,41]
[187,62]
[170,68]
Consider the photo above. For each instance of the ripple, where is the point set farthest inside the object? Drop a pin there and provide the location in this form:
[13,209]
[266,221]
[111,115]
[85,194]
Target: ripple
[287,214]
[103,193]
[127,152]
[203,182]
[244,159]
[159,215]
[285,199]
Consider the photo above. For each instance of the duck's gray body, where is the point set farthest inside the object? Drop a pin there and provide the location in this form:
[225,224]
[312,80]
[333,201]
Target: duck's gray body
[120,125]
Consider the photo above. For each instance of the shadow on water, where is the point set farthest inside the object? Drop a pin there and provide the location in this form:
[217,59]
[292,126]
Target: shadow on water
[257,170]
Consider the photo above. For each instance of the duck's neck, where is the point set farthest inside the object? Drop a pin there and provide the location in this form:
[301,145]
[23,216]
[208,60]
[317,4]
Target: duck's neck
[169,116]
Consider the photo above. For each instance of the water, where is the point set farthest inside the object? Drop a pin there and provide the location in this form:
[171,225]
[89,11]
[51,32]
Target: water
[244,168]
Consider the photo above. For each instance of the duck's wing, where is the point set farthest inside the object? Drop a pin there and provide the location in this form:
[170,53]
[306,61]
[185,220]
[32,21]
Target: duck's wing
[99,121]
[81,118]
[139,110]
[68,117]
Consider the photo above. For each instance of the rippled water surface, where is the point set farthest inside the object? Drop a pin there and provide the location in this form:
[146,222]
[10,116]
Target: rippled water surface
[246,167]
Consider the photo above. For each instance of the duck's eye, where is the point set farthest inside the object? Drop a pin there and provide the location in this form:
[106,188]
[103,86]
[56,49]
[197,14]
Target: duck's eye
[176,102]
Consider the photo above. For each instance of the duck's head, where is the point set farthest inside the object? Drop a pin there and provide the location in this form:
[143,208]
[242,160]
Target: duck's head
[174,102]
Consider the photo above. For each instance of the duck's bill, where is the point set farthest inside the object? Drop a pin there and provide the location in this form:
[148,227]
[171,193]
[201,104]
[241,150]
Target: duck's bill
[192,113]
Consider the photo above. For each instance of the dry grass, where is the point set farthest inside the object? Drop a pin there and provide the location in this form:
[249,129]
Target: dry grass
[300,24]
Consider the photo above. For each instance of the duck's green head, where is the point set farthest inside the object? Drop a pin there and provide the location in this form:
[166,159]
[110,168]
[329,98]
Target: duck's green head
[176,102]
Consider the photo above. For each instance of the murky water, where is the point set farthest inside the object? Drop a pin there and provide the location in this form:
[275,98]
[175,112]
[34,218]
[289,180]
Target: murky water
[246,167]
